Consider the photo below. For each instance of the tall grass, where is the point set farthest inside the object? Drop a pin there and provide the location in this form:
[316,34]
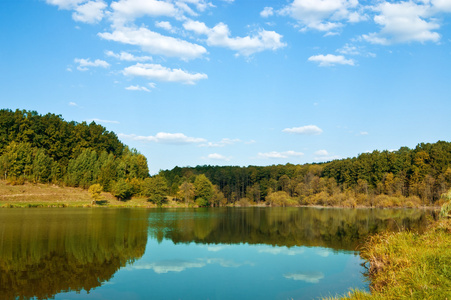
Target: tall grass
[407,265]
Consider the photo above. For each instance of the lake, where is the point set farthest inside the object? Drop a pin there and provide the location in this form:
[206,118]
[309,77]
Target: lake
[221,253]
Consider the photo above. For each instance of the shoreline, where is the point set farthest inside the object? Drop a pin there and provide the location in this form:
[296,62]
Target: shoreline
[31,195]
[397,263]
[143,203]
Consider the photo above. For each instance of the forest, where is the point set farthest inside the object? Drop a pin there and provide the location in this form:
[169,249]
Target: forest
[402,178]
[47,149]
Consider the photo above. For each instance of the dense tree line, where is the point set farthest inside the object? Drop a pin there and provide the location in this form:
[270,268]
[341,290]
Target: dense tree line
[61,140]
[48,149]
[406,177]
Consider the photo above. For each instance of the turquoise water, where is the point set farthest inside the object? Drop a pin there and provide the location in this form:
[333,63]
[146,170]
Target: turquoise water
[240,253]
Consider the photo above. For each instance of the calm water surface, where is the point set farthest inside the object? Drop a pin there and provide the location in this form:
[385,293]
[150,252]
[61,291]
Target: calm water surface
[234,253]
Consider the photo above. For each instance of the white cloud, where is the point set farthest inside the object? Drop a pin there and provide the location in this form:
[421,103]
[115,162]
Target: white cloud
[404,22]
[196,26]
[128,10]
[221,143]
[311,277]
[219,36]
[102,121]
[137,88]
[327,26]
[442,5]
[125,56]
[84,64]
[349,49]
[125,11]
[355,17]
[155,43]
[307,130]
[90,12]
[165,138]
[84,11]
[331,60]
[165,25]
[73,104]
[201,5]
[217,156]
[158,72]
[322,15]
[275,154]
[324,155]
[267,12]
[65,4]
[185,8]
[363,133]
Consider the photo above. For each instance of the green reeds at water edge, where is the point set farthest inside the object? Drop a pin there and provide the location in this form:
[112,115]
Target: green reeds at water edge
[408,265]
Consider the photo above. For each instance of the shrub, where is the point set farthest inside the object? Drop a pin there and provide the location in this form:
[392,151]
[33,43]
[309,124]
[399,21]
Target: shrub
[16,181]
[156,189]
[159,200]
[95,190]
[412,201]
[349,202]
[385,201]
[122,190]
[362,199]
[243,202]
[445,211]
[280,199]
[201,202]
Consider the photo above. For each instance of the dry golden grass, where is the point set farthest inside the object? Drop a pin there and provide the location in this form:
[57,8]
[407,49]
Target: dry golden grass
[43,195]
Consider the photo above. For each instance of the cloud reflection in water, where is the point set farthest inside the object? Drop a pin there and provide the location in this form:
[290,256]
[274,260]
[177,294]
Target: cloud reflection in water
[311,277]
[165,266]
[281,250]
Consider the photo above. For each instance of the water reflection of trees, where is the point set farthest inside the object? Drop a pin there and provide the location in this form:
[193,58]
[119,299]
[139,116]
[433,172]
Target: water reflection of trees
[339,229]
[43,253]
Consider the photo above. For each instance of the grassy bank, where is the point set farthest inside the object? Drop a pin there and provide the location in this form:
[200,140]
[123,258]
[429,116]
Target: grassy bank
[43,195]
[408,265]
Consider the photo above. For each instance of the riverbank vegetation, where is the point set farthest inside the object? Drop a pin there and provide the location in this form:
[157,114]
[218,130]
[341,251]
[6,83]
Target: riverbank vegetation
[49,150]
[409,265]
[401,178]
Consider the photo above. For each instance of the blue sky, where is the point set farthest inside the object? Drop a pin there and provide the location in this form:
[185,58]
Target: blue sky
[233,82]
